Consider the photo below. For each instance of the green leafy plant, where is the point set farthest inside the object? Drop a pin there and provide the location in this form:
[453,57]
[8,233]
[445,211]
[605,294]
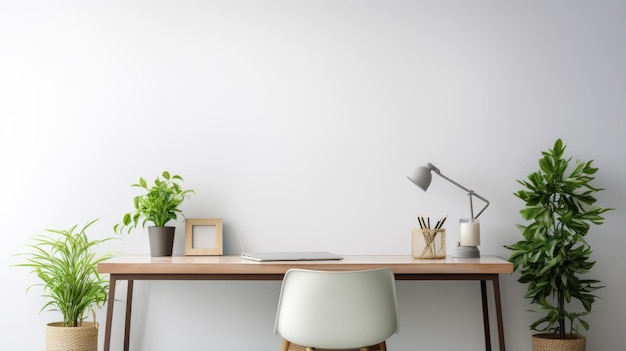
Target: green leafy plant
[67,267]
[553,255]
[159,205]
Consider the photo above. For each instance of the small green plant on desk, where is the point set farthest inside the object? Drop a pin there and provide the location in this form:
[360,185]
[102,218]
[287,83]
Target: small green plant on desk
[158,205]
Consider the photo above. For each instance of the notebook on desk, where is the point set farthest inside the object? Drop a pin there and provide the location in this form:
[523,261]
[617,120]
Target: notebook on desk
[291,256]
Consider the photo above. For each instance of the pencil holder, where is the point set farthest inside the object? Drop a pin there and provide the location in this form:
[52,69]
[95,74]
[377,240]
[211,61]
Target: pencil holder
[428,243]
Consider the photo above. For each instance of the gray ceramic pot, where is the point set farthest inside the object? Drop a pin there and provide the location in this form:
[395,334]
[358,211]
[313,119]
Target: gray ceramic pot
[161,240]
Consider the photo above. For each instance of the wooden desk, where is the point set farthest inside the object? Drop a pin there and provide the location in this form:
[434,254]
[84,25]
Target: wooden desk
[131,268]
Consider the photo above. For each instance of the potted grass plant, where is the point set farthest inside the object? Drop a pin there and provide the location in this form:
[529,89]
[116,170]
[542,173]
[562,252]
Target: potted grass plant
[553,256]
[65,262]
[159,205]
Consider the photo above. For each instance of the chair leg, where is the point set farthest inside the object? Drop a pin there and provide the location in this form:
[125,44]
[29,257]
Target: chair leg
[378,347]
[285,345]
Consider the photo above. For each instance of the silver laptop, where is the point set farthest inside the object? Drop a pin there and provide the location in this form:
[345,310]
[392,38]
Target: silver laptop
[291,256]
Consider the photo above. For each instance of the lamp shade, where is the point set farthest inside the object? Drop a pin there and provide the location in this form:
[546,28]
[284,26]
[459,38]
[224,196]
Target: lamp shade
[421,177]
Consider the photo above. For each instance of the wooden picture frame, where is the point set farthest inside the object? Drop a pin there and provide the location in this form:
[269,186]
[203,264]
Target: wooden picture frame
[203,237]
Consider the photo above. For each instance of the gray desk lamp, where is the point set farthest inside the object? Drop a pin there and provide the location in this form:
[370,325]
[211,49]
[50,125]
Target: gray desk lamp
[470,229]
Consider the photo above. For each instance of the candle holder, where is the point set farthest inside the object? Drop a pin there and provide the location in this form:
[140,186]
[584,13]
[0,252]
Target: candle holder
[428,243]
[469,238]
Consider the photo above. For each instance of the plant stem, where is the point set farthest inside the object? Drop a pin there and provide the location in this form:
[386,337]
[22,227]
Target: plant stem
[561,298]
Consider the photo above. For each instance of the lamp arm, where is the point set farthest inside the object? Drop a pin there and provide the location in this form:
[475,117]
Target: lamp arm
[469,192]
[480,197]
[436,170]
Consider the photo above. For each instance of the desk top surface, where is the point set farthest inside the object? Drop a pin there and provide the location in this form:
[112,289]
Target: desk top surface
[234,264]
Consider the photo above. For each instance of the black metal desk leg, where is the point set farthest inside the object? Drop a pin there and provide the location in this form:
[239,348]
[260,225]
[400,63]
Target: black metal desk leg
[109,319]
[496,296]
[483,293]
[129,308]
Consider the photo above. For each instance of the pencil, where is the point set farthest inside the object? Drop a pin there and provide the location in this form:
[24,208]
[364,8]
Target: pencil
[442,221]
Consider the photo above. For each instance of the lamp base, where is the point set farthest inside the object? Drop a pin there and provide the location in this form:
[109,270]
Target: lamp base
[466,252]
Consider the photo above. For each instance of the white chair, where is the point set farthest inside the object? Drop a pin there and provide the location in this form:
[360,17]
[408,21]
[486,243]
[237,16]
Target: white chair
[337,310]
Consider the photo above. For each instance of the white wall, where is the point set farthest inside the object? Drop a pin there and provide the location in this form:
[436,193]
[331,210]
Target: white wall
[297,122]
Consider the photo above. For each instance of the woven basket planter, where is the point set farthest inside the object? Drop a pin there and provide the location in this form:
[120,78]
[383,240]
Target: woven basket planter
[61,338]
[551,342]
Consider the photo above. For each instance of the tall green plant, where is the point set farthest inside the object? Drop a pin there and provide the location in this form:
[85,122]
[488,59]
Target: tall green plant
[67,267]
[158,205]
[553,255]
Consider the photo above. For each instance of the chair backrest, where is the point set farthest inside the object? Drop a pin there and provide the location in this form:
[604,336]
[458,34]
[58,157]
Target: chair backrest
[336,310]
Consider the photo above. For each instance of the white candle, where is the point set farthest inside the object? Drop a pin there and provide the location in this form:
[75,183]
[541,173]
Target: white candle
[470,232]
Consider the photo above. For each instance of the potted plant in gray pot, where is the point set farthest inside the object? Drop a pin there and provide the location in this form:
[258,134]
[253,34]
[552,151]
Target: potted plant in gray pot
[65,263]
[553,257]
[158,205]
